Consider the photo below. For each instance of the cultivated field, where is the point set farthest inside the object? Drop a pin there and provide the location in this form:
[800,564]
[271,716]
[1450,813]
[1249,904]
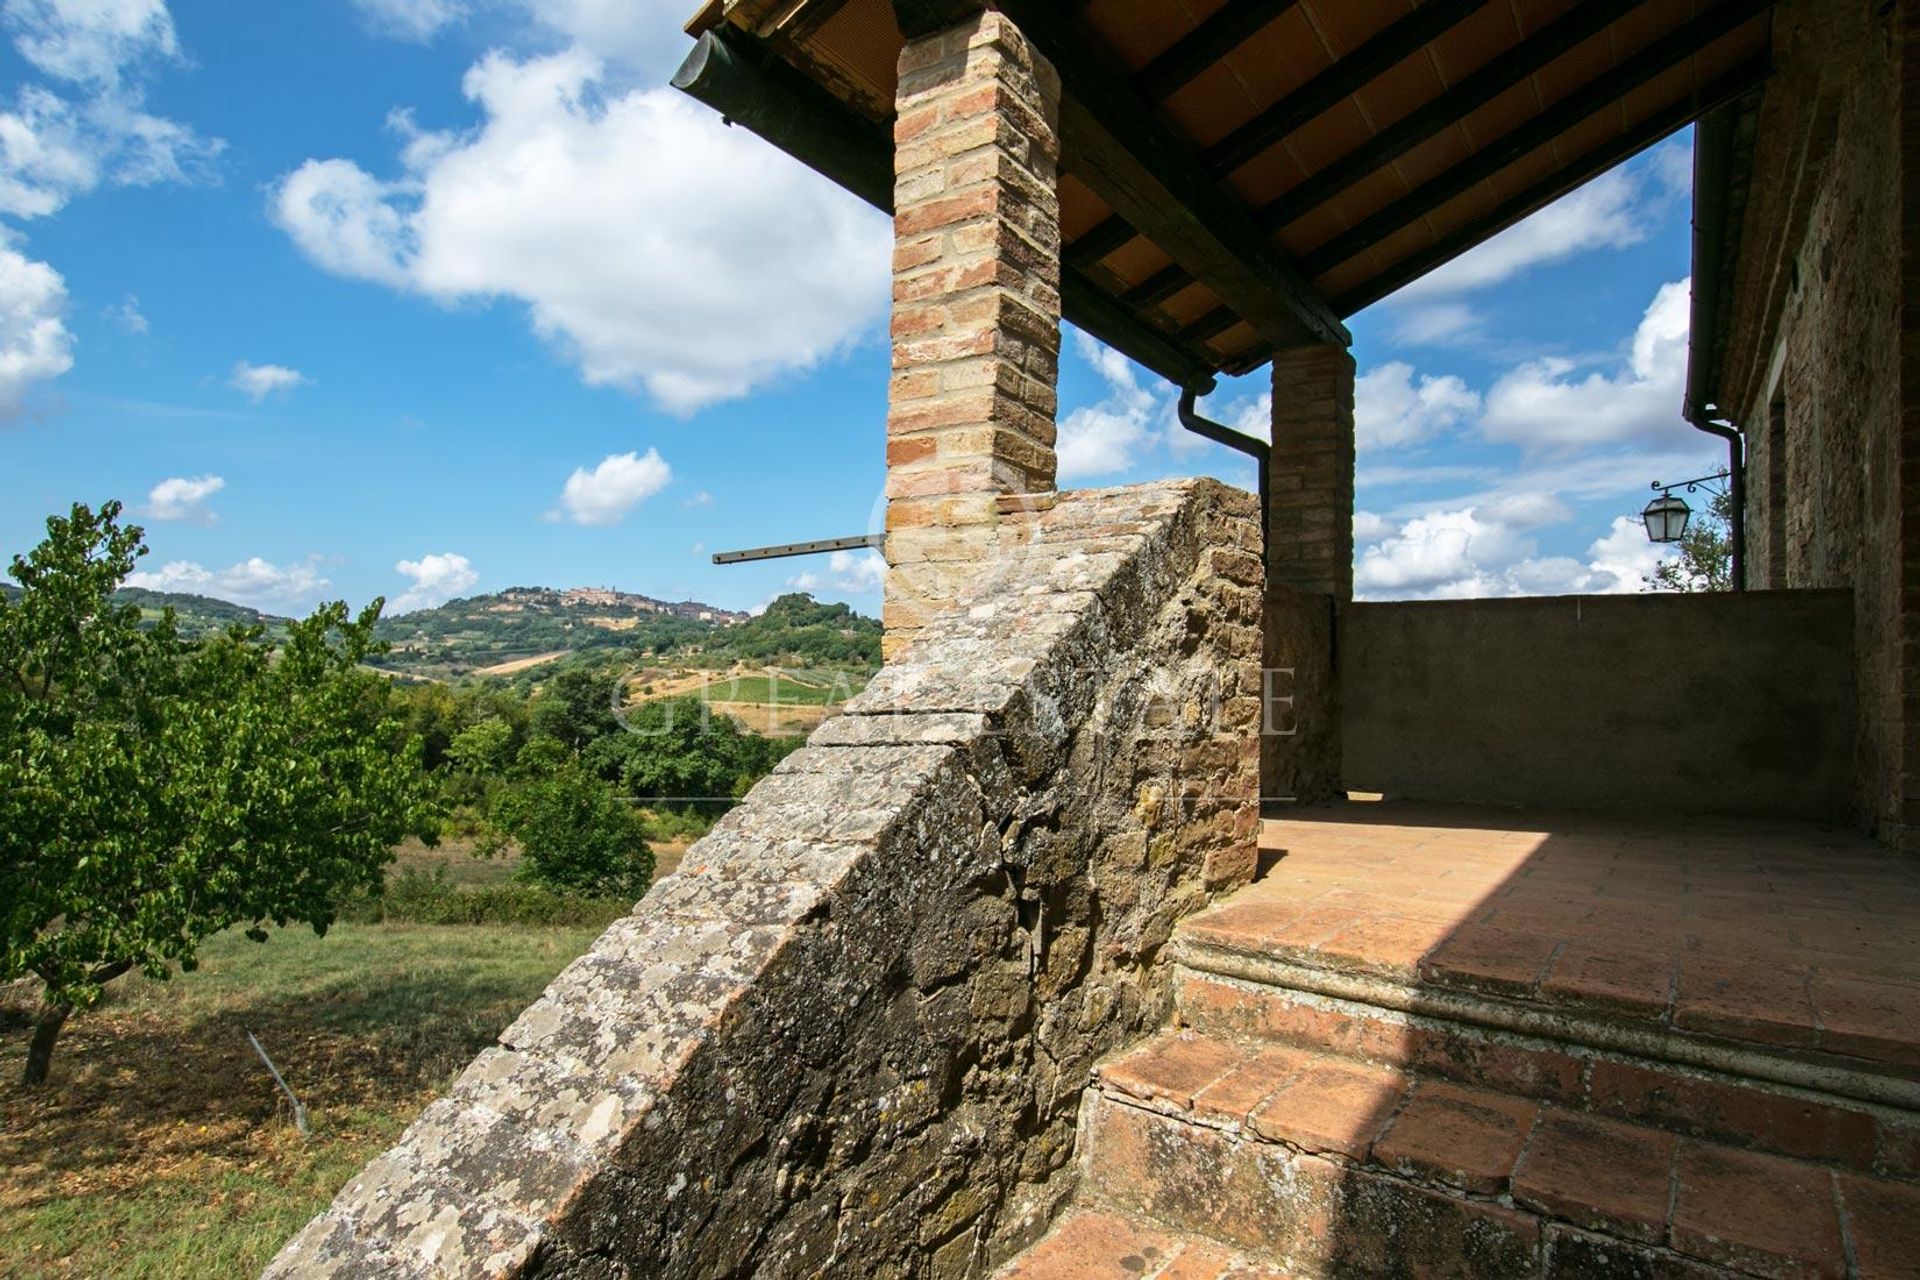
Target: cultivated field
[161,1148]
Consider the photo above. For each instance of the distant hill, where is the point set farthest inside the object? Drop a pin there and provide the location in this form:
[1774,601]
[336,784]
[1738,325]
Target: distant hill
[512,628]
[197,616]
[478,632]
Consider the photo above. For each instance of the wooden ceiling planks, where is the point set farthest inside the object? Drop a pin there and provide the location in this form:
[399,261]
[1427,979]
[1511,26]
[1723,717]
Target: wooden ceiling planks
[1369,139]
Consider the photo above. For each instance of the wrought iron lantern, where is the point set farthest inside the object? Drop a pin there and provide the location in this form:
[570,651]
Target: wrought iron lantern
[1666,516]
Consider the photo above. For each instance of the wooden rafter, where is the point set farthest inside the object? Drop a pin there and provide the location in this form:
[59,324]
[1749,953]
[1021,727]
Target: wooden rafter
[1338,82]
[1143,170]
[1106,237]
[1200,49]
[1502,73]
[1664,123]
[1595,96]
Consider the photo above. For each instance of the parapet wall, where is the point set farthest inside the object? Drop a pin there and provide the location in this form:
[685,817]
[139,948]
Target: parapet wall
[1710,703]
[851,1033]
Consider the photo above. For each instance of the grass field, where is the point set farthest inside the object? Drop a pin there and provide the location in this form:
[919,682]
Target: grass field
[160,1148]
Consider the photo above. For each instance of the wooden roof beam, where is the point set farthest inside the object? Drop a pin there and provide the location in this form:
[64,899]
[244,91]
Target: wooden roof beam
[1595,96]
[1662,124]
[1338,82]
[731,72]
[1114,142]
[1507,71]
[1200,49]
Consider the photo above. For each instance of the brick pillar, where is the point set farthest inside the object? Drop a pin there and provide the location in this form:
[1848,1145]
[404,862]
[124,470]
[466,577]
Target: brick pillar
[976,309]
[1309,570]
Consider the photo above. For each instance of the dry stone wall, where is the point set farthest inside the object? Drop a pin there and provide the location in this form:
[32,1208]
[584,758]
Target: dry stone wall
[850,1036]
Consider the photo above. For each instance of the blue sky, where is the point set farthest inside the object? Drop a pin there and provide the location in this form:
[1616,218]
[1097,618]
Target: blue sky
[431,297]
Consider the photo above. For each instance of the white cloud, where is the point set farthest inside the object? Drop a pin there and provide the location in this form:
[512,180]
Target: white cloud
[853,573]
[1475,552]
[641,36]
[436,578]
[128,316]
[1391,410]
[258,381]
[1370,527]
[654,247]
[1621,207]
[859,574]
[700,499]
[184,498]
[257,583]
[1100,439]
[54,146]
[1541,406]
[417,20]
[1436,324]
[604,495]
[35,344]
[90,41]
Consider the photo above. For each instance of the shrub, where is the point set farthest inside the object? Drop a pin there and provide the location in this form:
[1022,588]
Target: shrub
[575,834]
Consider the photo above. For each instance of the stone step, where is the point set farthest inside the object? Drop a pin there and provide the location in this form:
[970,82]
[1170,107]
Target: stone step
[1328,1166]
[1097,1245]
[1721,1100]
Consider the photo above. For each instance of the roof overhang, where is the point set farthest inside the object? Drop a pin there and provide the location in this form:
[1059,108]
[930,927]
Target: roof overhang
[1239,176]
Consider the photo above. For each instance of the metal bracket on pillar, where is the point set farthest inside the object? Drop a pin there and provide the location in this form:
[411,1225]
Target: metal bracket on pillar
[817,547]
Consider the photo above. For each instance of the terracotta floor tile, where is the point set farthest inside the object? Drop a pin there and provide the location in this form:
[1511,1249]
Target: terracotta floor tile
[1171,1067]
[1093,1246]
[1598,1174]
[1489,958]
[1611,977]
[1235,1095]
[1744,1000]
[1883,1224]
[1465,1137]
[1878,1020]
[1332,1106]
[1756,1212]
[1388,945]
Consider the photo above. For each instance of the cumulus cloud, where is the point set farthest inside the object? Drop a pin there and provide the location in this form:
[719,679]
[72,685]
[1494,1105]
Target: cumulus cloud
[1100,439]
[1391,410]
[1369,527]
[436,579]
[1487,550]
[1546,404]
[258,381]
[622,481]
[35,344]
[848,573]
[417,20]
[653,247]
[56,144]
[1620,208]
[254,582]
[184,498]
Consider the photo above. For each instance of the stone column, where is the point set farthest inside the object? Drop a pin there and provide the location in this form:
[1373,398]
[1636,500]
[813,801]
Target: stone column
[1309,571]
[976,309]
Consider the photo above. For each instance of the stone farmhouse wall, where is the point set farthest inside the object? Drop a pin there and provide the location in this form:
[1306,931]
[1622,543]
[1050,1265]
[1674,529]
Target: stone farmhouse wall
[1819,375]
[851,1034]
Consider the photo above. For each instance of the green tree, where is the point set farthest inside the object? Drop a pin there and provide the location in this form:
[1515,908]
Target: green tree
[154,790]
[575,707]
[1705,559]
[574,832]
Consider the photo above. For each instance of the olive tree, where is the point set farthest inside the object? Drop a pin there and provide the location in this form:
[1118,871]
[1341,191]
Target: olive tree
[154,791]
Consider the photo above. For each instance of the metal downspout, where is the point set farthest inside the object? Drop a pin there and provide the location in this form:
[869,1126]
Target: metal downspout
[1712,157]
[1218,432]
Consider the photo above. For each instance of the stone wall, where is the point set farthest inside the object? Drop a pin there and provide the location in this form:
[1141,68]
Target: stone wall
[1721,702]
[852,1032]
[1813,373]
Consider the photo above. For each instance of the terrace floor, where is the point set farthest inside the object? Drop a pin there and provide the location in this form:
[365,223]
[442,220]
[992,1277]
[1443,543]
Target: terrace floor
[1790,939]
